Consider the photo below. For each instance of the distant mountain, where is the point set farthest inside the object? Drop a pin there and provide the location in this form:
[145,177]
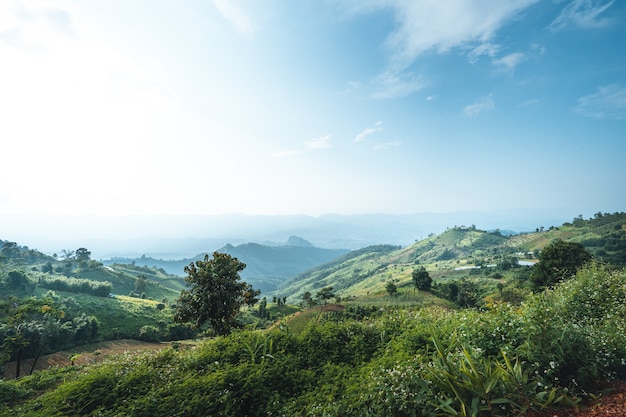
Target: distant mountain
[266,266]
[179,237]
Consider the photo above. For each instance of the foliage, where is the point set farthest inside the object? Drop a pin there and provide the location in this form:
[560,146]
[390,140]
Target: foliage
[76,285]
[558,261]
[421,279]
[325,294]
[502,361]
[216,294]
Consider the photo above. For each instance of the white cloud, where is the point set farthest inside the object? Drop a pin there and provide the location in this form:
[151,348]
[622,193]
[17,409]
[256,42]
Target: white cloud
[583,14]
[484,104]
[368,131]
[487,49]
[386,145]
[608,103]
[530,102]
[316,144]
[392,84]
[441,26]
[509,62]
[322,142]
[236,15]
[438,26]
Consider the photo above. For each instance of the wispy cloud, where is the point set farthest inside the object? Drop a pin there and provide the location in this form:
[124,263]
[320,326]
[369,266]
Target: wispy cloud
[608,103]
[530,102]
[441,26]
[392,84]
[509,62]
[484,104]
[236,15]
[322,142]
[487,49]
[316,144]
[368,131]
[386,145]
[427,26]
[584,14]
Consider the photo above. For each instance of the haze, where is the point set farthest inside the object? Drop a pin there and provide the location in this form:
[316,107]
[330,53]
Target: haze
[115,108]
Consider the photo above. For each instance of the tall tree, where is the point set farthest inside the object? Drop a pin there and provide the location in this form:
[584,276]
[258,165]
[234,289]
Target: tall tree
[558,261]
[422,279]
[216,294]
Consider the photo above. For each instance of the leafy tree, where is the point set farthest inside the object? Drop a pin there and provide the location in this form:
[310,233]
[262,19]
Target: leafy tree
[558,261]
[140,284]
[308,299]
[83,254]
[325,294]
[422,279]
[47,267]
[216,293]
[391,289]
[17,279]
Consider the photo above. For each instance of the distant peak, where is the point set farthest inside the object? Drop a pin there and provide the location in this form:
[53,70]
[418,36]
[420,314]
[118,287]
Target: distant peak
[298,241]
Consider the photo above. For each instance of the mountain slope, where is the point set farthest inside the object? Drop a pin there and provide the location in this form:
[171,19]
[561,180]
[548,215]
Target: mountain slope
[367,271]
[266,266]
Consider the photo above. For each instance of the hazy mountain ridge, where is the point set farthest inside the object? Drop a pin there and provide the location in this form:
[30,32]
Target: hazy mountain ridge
[183,236]
[266,266]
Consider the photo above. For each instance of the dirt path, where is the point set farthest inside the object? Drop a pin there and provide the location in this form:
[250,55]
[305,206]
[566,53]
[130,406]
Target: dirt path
[90,353]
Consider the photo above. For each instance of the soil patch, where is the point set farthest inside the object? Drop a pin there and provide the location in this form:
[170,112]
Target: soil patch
[86,354]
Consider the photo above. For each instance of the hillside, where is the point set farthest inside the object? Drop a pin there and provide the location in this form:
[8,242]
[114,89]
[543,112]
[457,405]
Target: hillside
[266,266]
[458,253]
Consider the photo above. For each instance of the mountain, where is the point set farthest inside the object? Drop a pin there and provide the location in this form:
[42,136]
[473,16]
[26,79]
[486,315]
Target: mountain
[454,253]
[266,266]
[184,236]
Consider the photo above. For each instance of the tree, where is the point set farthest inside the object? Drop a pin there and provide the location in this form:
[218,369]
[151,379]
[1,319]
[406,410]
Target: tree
[140,284]
[325,294]
[216,293]
[391,288]
[422,279]
[308,299]
[558,261]
[83,254]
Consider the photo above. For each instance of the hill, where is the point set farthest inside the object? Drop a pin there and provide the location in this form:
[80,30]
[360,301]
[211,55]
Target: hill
[461,253]
[267,266]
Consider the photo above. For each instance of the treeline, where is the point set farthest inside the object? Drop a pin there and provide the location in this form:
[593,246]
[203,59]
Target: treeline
[76,285]
[21,280]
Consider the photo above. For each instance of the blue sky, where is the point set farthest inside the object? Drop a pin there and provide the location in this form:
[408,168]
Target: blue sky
[312,107]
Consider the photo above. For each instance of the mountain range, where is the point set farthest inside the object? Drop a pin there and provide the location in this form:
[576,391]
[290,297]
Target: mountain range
[184,236]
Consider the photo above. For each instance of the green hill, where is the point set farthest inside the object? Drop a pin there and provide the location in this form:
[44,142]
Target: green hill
[460,253]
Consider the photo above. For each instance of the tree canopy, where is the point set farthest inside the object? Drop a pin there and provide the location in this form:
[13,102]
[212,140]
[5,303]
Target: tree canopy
[558,261]
[422,279]
[216,293]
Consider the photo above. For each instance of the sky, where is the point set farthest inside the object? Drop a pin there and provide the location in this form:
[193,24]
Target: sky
[268,107]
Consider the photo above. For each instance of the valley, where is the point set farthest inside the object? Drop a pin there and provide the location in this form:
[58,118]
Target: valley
[324,320]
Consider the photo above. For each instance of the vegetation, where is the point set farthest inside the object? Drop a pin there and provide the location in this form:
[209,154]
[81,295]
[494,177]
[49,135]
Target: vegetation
[481,335]
[557,261]
[216,293]
[402,362]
